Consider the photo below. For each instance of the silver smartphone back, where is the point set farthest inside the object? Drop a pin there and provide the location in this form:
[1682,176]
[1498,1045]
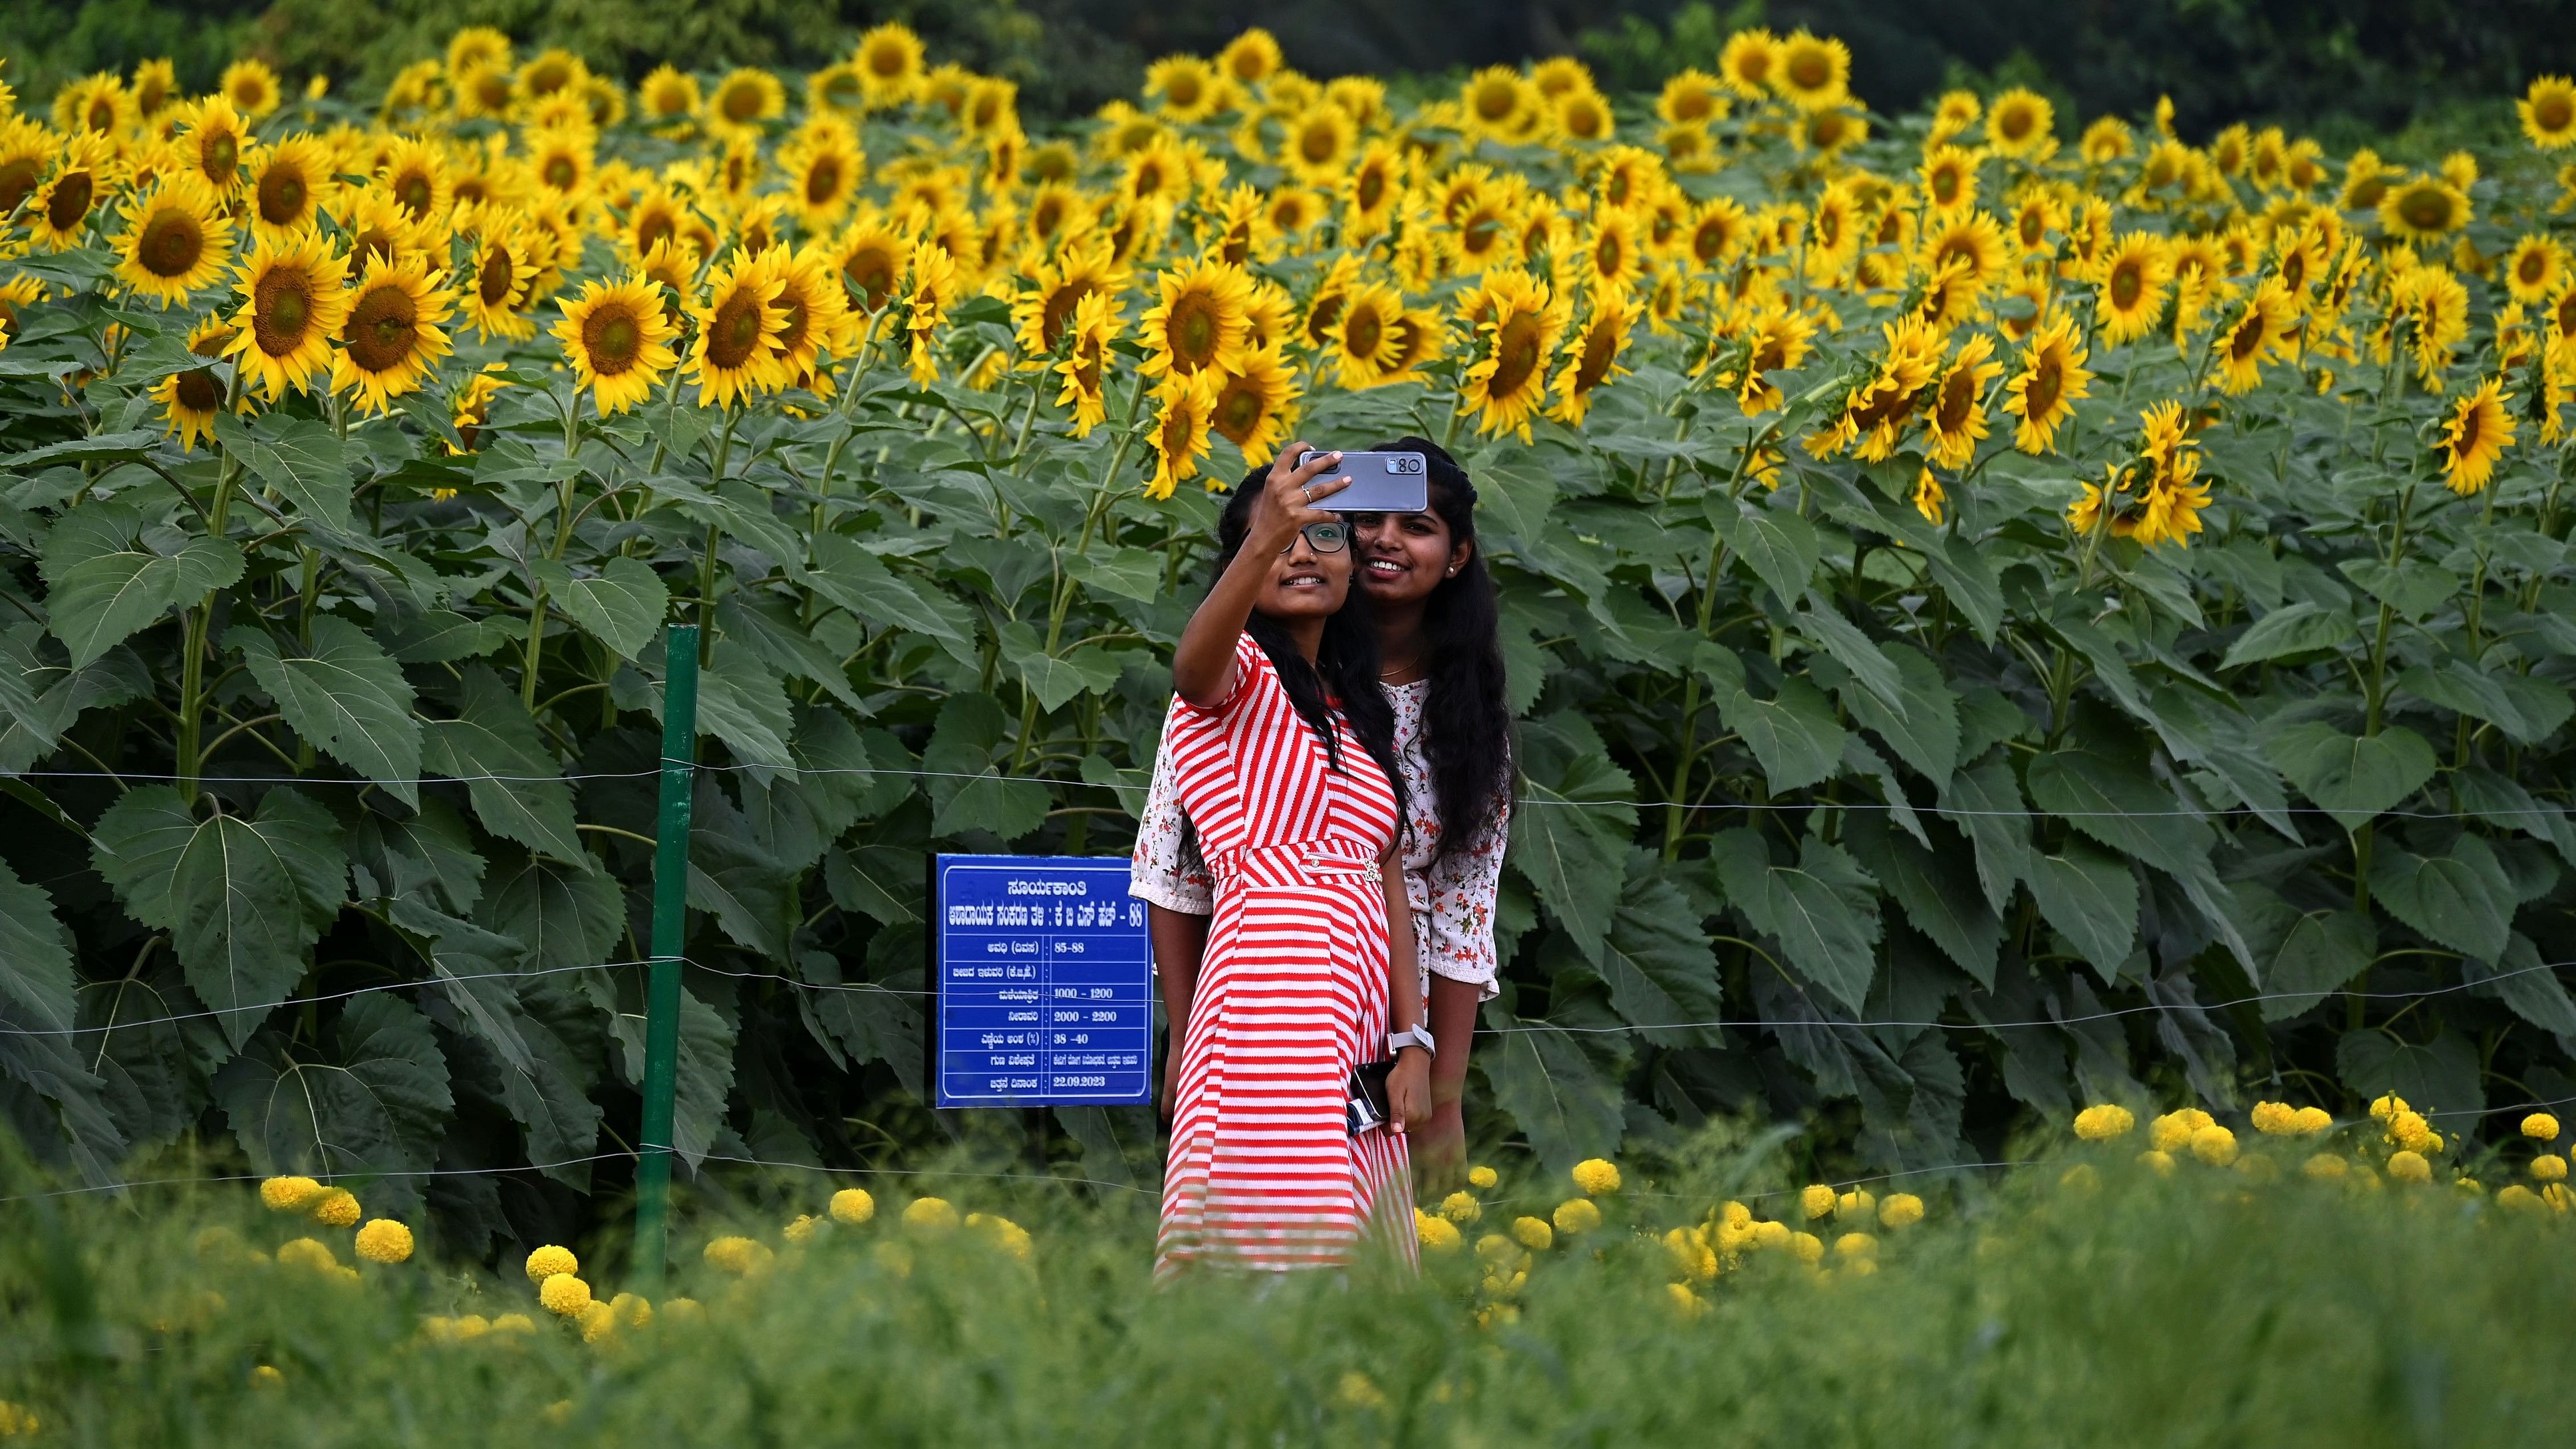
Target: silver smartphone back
[1380,483]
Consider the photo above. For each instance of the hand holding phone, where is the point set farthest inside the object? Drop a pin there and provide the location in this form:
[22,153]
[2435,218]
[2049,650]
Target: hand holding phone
[1383,483]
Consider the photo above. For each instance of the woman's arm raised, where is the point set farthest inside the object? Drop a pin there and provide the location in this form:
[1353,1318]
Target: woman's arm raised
[1203,665]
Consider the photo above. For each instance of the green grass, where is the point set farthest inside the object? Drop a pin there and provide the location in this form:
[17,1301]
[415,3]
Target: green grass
[2209,1309]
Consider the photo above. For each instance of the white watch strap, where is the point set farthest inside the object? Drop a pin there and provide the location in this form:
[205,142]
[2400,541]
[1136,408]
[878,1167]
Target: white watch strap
[1397,1041]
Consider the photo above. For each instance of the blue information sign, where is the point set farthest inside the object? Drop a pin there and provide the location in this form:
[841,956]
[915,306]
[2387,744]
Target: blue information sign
[1045,982]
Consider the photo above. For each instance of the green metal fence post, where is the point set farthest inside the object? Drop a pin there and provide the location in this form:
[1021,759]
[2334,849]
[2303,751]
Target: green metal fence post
[670,935]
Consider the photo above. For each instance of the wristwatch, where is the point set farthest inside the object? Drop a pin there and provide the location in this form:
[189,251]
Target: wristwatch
[1397,1041]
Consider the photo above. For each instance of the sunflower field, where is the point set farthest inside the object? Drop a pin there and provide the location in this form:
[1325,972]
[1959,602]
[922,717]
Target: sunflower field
[2005,610]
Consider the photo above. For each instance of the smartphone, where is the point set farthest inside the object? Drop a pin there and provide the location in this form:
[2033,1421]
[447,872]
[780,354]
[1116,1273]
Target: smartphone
[1380,483]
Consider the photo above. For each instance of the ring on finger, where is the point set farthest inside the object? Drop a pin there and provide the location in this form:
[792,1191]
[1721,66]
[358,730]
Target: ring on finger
[1307,491]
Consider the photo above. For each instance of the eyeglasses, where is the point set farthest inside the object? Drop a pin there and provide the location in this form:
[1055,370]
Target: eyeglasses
[1325,537]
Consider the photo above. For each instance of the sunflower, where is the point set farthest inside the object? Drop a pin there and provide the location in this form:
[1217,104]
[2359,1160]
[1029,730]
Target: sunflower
[1517,323]
[1950,179]
[1956,418]
[1974,241]
[287,183]
[481,92]
[59,214]
[1718,233]
[376,225]
[1354,323]
[1047,307]
[97,105]
[155,88]
[2548,111]
[824,168]
[2130,286]
[17,292]
[1200,322]
[1930,499]
[871,258]
[1189,87]
[1086,364]
[935,288]
[816,314]
[478,47]
[617,336]
[1777,340]
[2107,140]
[551,70]
[1255,407]
[744,99]
[1831,131]
[212,142]
[2474,437]
[1612,256]
[2018,123]
[293,300]
[1747,63]
[1952,115]
[190,398]
[415,175]
[1812,72]
[2535,269]
[1319,144]
[992,108]
[1874,414]
[251,87]
[1691,98]
[1250,58]
[176,240]
[2240,347]
[737,353]
[2044,392]
[1487,231]
[1421,335]
[1186,406]
[2038,217]
[1593,358]
[26,149]
[563,160]
[2424,208]
[1582,116]
[668,95]
[1498,103]
[1833,235]
[889,61]
[504,275]
[390,338]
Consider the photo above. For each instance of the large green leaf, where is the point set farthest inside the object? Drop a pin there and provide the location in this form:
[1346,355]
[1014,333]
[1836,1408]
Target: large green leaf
[300,458]
[1555,1093]
[2462,900]
[2413,587]
[967,791]
[347,696]
[2091,897]
[1857,653]
[1793,735]
[243,898]
[621,605]
[539,1076]
[1937,887]
[509,774]
[2440,1076]
[1823,910]
[1985,802]
[375,1100]
[35,957]
[859,581]
[561,915]
[1657,962]
[2529,985]
[2321,953]
[99,600]
[1779,547]
[2354,778]
[2289,632]
[1925,733]
[1573,851]
[744,704]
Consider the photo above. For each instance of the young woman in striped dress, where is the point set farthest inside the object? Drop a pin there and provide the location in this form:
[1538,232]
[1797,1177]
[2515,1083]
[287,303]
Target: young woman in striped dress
[1281,751]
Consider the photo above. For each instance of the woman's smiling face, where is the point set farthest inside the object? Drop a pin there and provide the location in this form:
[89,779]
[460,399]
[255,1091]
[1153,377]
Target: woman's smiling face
[1404,556]
[1306,582]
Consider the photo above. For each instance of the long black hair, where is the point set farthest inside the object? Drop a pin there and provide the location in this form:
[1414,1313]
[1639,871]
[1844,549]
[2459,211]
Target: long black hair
[1466,722]
[1344,673]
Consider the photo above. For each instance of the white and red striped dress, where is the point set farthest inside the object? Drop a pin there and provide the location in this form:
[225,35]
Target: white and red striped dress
[1292,993]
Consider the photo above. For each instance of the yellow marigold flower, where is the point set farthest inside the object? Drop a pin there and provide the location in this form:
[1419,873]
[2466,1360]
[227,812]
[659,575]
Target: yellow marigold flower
[337,1207]
[1687,1303]
[1533,1234]
[1691,1257]
[1459,1207]
[2556,1196]
[2174,1129]
[2159,1159]
[2408,1166]
[597,1321]
[1856,1203]
[549,1260]
[1855,1245]
[2081,1178]
[1009,1236]
[266,1376]
[513,1323]
[2549,1167]
[736,1255]
[2214,1145]
[2540,1127]
[384,1241]
[801,1229]
[1816,1200]
[1735,1215]
[2309,1121]
[633,1309]
[2517,1198]
[1436,1234]
[852,1206]
[563,1295]
[2410,1131]
[18,1419]
[295,1194]
[2104,1122]
[2387,1107]
[1901,1210]
[1808,1247]
[1498,1251]
[929,1214]
[1577,1215]
[2325,1166]
[307,1253]
[1596,1176]
[1484,1178]
[1770,1235]
[2274,1119]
